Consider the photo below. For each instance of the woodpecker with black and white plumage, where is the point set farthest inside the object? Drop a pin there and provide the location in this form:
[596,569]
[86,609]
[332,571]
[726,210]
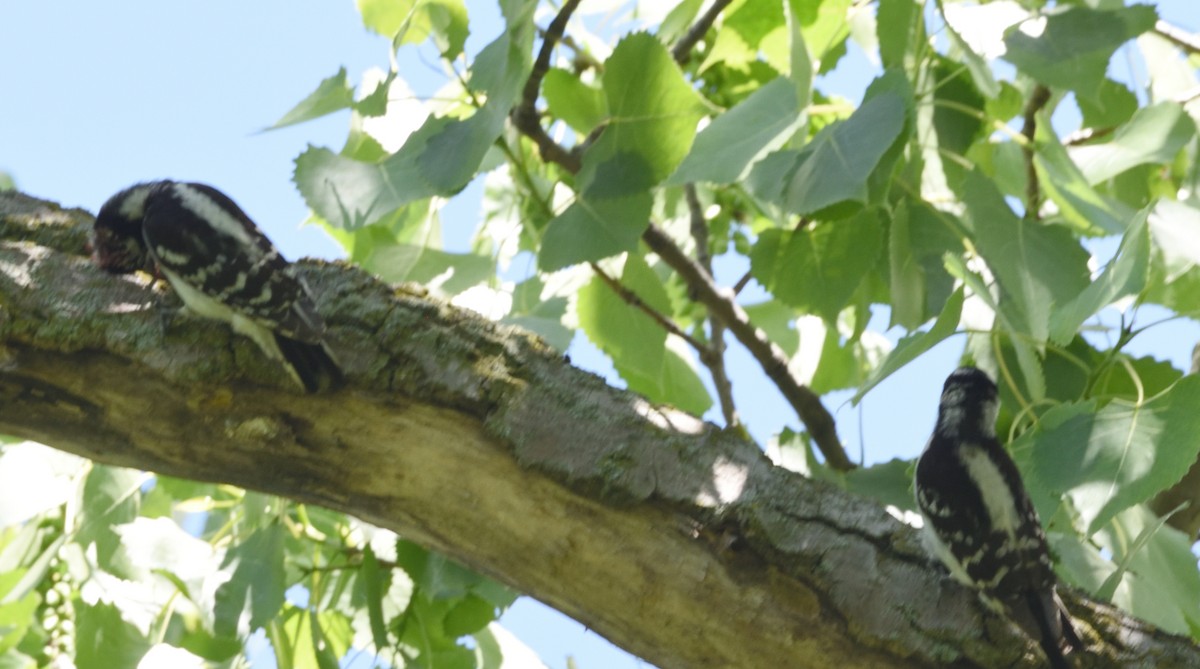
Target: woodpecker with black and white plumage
[979,520]
[221,266]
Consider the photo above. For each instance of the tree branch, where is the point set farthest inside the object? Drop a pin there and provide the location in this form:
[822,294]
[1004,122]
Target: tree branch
[683,48]
[774,361]
[716,361]
[1177,36]
[1033,196]
[678,541]
[525,115]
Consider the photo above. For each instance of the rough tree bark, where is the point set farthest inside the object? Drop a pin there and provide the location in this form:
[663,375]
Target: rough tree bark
[673,539]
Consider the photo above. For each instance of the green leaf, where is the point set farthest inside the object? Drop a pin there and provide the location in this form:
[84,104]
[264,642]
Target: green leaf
[385,17]
[776,319]
[897,23]
[724,149]
[578,105]
[374,586]
[888,483]
[906,276]
[440,158]
[1039,267]
[256,585]
[1073,49]
[817,269]
[468,616]
[13,659]
[1160,581]
[594,229]
[1112,105]
[110,498]
[333,94]
[350,194]
[15,615]
[825,28]
[742,31]
[1173,226]
[679,20]
[103,640]
[911,347]
[321,651]
[1114,457]
[979,67]
[1155,134]
[413,21]
[1125,275]
[654,112]
[676,383]
[1088,211]
[35,479]
[540,316]
[956,96]
[834,168]
[456,272]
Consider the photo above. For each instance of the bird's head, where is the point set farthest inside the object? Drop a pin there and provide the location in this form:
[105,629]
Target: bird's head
[117,242]
[969,404]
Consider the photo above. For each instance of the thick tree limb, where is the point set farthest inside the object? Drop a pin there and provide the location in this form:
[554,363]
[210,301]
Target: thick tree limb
[677,541]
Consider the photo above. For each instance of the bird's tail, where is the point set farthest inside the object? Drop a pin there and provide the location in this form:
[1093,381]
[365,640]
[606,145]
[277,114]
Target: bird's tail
[314,364]
[1056,633]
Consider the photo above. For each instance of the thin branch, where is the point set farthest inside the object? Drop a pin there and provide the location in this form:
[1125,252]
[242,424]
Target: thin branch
[716,364]
[1085,135]
[583,59]
[1177,36]
[683,48]
[742,283]
[525,115]
[1033,195]
[632,299]
[773,360]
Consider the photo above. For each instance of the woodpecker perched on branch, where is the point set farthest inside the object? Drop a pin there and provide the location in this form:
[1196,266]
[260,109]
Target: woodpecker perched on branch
[221,266]
[979,520]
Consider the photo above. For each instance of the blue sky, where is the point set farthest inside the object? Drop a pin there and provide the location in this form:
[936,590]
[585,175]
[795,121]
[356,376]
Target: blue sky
[102,95]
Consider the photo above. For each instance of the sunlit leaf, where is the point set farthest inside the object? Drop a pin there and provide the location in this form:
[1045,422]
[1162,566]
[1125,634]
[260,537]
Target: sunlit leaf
[256,584]
[1154,135]
[724,149]
[834,167]
[1109,458]
[578,105]
[817,269]
[1125,275]
[594,229]
[332,94]
[1072,49]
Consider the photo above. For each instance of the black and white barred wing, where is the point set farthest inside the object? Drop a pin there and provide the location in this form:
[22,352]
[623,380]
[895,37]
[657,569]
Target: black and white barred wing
[202,238]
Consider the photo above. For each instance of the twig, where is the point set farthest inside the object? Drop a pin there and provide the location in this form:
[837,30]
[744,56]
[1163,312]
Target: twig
[631,298]
[742,283]
[583,59]
[525,115]
[716,363]
[773,360]
[683,48]
[1085,135]
[1033,194]
[1179,37]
